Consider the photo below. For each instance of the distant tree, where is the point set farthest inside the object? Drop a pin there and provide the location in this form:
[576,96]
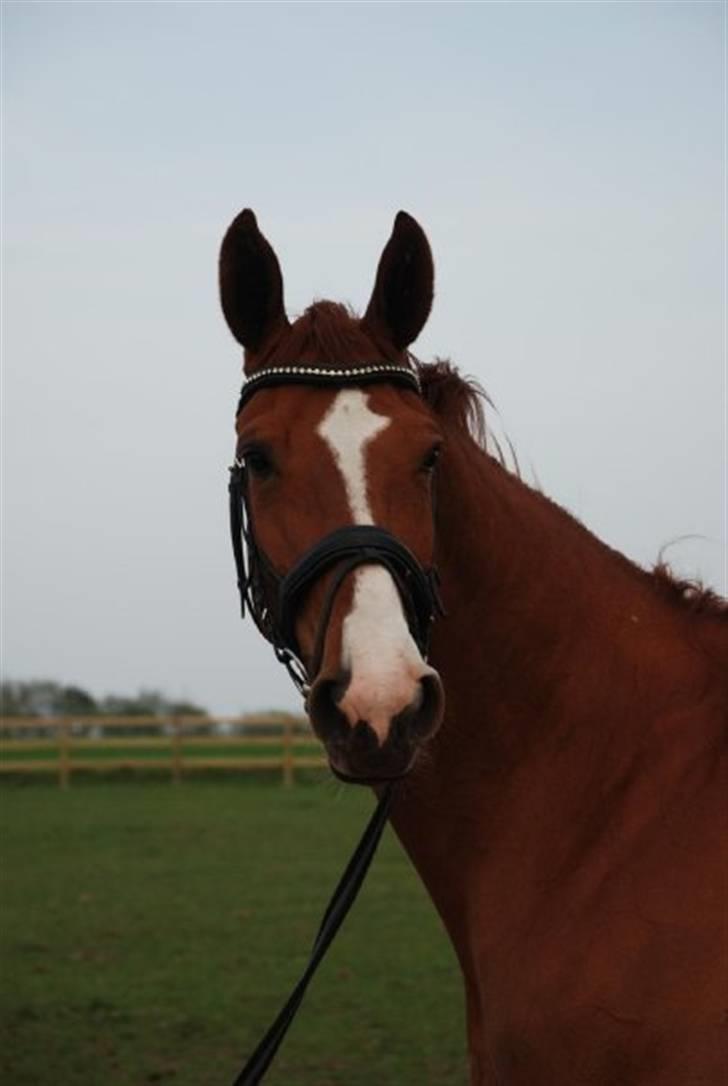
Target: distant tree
[149,703]
[43,697]
[145,703]
[9,702]
[72,700]
[186,708]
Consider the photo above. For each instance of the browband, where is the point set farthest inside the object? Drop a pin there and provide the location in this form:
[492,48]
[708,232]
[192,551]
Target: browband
[318,375]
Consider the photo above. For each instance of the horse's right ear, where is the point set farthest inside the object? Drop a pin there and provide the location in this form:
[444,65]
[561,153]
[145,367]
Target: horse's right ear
[251,285]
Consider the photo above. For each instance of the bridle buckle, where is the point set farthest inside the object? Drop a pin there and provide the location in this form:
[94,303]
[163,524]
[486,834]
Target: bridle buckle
[295,668]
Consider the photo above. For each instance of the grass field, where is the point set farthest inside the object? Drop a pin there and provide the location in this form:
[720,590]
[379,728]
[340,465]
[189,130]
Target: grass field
[150,932]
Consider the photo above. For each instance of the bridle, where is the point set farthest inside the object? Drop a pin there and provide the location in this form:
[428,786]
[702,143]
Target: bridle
[273,598]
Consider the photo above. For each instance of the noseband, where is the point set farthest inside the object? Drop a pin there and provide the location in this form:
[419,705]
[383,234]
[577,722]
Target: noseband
[272,598]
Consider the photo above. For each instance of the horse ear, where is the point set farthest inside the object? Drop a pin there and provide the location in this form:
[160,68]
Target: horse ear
[403,290]
[251,285]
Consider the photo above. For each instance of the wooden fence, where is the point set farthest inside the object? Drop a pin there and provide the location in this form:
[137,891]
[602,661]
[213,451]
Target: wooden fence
[173,745]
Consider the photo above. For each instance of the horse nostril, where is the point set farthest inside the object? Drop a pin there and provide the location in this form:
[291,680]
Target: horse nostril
[329,722]
[424,714]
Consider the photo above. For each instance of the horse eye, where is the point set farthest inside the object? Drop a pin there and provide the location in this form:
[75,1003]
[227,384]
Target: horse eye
[258,462]
[430,461]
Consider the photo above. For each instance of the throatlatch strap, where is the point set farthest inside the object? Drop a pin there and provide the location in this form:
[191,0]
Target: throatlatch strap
[343,898]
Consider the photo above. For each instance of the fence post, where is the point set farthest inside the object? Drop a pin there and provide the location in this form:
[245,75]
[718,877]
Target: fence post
[287,752]
[176,749]
[64,753]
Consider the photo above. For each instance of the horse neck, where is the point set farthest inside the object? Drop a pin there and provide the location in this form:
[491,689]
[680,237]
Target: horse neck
[548,628]
[564,671]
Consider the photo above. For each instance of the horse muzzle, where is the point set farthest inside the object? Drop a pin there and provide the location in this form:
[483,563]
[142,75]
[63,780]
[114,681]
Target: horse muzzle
[377,738]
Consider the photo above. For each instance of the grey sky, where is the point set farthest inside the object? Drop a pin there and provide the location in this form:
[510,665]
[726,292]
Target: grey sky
[567,163]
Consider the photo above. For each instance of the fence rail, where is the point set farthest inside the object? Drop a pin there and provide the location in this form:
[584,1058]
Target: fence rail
[176,745]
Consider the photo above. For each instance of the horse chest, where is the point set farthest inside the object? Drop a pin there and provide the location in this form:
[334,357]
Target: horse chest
[602,987]
[601,970]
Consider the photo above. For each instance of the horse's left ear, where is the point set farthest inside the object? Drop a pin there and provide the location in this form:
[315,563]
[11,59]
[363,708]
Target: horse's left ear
[403,290]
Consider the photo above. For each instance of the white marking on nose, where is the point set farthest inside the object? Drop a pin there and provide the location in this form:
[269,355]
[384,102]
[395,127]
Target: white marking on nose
[377,646]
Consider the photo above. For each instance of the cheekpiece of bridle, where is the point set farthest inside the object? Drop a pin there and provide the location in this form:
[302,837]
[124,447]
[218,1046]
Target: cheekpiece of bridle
[273,598]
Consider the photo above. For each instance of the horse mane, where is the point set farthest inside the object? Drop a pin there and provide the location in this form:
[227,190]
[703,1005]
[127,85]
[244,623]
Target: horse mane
[459,403]
[456,400]
[689,593]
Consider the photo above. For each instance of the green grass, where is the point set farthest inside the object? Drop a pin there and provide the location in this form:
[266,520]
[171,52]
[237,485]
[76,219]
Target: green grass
[150,932]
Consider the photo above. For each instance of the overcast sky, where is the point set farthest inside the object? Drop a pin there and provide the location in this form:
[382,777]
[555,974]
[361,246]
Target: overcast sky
[567,163]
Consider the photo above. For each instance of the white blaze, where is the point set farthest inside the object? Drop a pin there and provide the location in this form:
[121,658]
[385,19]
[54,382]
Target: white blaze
[347,428]
[377,646]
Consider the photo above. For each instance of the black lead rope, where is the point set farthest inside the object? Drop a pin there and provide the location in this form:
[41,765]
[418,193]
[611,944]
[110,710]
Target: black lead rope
[343,898]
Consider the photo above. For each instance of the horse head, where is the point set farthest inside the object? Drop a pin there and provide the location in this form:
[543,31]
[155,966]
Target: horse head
[333,436]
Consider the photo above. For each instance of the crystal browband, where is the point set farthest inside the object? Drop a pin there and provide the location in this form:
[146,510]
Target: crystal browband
[320,375]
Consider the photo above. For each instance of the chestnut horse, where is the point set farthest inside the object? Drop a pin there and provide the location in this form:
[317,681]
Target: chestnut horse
[562,750]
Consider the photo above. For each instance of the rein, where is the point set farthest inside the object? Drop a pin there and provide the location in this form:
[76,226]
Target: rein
[273,598]
[341,901]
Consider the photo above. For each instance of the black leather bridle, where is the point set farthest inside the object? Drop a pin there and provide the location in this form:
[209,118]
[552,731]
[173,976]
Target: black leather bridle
[273,598]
